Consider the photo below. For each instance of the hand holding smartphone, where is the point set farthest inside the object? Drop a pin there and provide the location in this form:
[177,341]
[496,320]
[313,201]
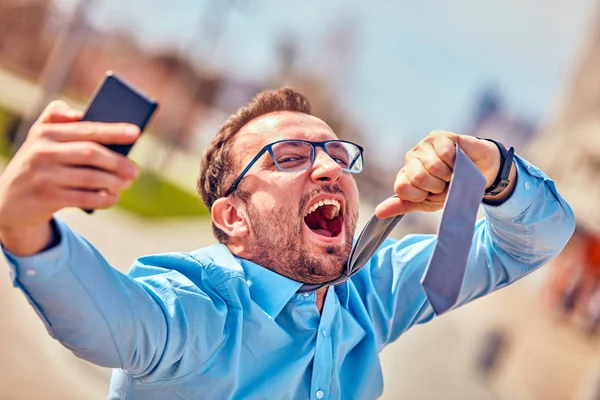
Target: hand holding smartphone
[117,101]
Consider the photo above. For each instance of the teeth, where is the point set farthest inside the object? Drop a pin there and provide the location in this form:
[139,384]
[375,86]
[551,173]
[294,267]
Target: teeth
[331,212]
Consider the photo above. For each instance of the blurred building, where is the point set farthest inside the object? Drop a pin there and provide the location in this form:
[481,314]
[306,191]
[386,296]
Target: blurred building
[194,99]
[25,43]
[492,119]
[568,149]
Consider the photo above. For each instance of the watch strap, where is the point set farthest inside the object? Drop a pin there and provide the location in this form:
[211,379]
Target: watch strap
[506,159]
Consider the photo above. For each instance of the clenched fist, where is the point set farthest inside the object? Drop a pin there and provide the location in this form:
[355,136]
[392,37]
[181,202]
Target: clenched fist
[422,184]
[61,164]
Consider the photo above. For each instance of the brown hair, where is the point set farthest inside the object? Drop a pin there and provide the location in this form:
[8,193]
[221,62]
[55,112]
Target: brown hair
[217,169]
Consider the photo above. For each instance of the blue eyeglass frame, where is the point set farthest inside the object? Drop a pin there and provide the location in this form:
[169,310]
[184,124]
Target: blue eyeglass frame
[314,145]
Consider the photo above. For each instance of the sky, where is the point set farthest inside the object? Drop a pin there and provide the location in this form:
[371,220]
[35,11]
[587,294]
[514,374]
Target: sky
[415,66]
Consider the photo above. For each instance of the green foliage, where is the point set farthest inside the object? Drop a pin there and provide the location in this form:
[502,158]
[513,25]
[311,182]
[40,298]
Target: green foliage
[152,196]
[7,121]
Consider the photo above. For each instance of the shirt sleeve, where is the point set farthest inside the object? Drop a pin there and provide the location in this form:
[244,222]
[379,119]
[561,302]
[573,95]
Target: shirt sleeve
[137,322]
[513,240]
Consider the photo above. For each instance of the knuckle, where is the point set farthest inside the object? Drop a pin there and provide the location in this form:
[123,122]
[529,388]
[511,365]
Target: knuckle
[430,138]
[401,187]
[446,153]
[42,131]
[89,154]
[436,167]
[87,129]
[411,154]
[91,130]
[85,199]
[94,179]
[419,177]
[438,133]
[40,155]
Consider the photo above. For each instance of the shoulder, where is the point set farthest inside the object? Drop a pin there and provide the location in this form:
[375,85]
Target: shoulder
[395,259]
[203,270]
[401,251]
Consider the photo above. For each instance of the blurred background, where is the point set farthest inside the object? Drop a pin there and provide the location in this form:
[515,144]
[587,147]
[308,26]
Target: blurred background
[383,74]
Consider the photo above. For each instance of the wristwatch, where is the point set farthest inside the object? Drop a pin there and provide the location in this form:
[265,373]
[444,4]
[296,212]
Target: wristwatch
[506,160]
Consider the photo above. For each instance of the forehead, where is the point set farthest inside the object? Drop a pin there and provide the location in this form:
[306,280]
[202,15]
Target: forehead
[281,125]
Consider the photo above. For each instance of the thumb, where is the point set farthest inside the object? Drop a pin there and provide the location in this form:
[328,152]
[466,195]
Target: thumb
[59,111]
[473,147]
[393,206]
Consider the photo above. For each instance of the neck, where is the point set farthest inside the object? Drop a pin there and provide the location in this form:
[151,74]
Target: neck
[321,294]
[241,251]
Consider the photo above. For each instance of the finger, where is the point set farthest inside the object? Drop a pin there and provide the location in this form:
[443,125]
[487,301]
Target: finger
[476,149]
[406,191]
[433,163]
[59,111]
[438,198]
[445,149]
[96,155]
[90,179]
[86,199]
[420,177]
[394,206]
[105,133]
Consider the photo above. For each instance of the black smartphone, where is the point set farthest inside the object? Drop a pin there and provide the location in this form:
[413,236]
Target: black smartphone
[116,100]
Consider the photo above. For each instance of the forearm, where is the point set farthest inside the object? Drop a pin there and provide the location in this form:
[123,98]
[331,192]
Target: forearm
[520,236]
[91,308]
[514,239]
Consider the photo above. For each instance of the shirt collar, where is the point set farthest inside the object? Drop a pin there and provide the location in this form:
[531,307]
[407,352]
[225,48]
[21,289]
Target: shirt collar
[343,293]
[268,289]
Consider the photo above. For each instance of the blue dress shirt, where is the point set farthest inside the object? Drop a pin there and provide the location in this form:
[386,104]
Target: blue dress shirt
[208,325]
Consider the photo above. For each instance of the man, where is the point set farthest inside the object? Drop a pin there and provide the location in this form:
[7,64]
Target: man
[227,321]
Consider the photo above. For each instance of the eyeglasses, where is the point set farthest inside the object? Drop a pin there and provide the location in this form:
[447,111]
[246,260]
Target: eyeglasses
[299,155]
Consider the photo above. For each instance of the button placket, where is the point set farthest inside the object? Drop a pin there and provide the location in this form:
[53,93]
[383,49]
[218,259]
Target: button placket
[323,359]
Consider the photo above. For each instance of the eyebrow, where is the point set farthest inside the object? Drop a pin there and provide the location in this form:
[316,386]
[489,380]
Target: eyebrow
[295,144]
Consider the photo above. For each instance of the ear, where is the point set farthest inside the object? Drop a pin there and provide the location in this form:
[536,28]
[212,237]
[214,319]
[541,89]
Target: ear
[226,217]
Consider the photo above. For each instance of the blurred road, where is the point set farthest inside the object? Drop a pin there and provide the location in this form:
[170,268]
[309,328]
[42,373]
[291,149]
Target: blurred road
[545,360]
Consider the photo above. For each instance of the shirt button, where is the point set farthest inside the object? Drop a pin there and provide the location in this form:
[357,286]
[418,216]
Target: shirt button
[306,294]
[30,272]
[527,185]
[319,394]
[324,332]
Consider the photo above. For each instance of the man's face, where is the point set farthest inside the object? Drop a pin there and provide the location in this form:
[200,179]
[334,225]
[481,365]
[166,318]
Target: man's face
[301,224]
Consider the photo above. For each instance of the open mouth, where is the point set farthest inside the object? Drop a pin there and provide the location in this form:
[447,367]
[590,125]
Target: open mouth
[325,218]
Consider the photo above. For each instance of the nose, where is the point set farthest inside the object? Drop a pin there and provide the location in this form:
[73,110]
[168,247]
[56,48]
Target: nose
[325,169]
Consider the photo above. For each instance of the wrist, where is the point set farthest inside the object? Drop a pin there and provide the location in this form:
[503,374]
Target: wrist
[26,241]
[497,199]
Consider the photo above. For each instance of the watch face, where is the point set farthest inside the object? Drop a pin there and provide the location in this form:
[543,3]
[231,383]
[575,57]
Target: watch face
[499,188]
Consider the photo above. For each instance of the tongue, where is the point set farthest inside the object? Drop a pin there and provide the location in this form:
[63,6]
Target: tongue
[316,222]
[322,232]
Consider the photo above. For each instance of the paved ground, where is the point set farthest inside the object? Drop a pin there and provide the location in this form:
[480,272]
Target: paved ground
[546,360]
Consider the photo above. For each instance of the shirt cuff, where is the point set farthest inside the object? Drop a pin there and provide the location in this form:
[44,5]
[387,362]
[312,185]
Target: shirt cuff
[40,266]
[523,194]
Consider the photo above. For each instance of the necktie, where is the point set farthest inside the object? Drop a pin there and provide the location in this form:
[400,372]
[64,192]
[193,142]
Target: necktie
[444,274]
